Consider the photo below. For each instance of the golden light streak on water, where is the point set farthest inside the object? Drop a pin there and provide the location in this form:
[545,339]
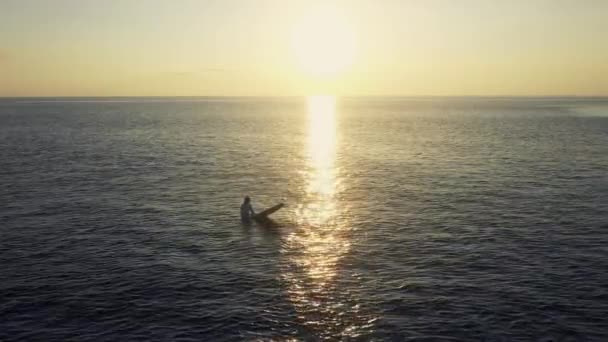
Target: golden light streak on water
[322,241]
[322,237]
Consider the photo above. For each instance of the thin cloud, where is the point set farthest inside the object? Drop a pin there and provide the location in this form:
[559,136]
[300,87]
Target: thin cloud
[198,72]
[214,70]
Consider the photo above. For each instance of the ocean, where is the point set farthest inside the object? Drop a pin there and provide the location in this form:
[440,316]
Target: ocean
[406,219]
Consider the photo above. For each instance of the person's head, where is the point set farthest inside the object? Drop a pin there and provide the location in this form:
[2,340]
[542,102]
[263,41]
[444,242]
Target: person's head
[247,199]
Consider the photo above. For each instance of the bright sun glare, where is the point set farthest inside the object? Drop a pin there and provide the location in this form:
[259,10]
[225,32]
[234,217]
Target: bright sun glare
[323,42]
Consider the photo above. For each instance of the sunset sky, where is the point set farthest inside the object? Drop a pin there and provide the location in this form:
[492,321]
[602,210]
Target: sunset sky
[289,47]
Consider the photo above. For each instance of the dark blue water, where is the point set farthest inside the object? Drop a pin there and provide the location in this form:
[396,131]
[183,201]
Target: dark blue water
[417,219]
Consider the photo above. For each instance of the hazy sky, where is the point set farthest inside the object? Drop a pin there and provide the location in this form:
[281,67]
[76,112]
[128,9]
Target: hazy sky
[245,47]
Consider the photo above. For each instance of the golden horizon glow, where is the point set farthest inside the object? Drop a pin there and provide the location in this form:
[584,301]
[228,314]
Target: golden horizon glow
[303,47]
[323,42]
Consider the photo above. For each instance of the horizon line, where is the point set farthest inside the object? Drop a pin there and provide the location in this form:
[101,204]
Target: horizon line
[299,96]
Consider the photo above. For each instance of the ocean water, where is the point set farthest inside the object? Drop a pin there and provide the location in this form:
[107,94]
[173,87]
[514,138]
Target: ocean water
[407,219]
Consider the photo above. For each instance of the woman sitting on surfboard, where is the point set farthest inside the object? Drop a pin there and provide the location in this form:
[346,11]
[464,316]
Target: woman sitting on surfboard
[246,210]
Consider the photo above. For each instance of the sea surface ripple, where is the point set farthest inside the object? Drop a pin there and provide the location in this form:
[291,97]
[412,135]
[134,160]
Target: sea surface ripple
[407,219]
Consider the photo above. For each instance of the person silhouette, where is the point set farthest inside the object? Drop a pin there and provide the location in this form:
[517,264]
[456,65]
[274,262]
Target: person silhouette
[246,210]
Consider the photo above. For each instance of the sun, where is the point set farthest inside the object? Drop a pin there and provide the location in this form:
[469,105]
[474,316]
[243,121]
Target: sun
[323,42]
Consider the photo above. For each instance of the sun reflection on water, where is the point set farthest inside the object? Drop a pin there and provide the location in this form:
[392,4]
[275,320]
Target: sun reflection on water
[319,206]
[322,237]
